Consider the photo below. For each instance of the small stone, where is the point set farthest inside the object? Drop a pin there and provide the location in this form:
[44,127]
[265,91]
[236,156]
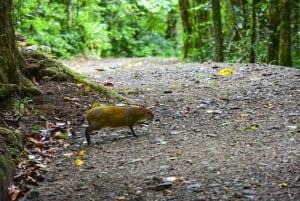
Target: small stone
[173,132]
[248,192]
[196,187]
[162,186]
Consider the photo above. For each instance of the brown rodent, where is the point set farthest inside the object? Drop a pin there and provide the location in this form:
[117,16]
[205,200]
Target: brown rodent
[115,116]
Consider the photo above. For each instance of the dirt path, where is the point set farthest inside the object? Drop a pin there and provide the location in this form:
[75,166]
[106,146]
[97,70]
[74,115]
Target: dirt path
[233,137]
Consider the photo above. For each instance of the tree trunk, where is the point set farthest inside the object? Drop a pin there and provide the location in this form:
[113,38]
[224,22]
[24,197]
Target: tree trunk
[11,80]
[200,19]
[171,25]
[285,33]
[8,50]
[273,47]
[219,57]
[253,33]
[184,7]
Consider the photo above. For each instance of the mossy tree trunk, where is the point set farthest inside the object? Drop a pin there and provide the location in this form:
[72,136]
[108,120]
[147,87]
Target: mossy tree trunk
[8,49]
[11,80]
[219,57]
[285,7]
[273,46]
[253,33]
[184,7]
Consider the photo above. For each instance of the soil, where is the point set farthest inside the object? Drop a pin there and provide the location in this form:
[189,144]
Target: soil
[214,137]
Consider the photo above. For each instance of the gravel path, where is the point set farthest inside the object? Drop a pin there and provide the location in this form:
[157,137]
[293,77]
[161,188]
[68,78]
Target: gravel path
[214,137]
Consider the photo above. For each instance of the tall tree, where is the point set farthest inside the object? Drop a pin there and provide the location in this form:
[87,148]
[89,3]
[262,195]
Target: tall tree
[285,7]
[184,6]
[171,25]
[11,79]
[253,32]
[219,56]
[274,21]
[200,21]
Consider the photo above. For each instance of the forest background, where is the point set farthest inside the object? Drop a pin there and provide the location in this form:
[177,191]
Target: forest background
[224,31]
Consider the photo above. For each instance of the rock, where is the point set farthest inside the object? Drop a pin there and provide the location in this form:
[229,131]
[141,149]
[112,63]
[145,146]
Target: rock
[195,187]
[162,186]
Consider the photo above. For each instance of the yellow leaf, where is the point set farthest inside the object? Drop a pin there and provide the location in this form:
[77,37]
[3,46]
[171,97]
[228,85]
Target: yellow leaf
[254,127]
[87,88]
[251,128]
[79,85]
[283,185]
[81,153]
[173,85]
[78,162]
[225,71]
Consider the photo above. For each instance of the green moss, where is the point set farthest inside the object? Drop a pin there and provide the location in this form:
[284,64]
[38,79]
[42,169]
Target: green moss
[2,177]
[13,141]
[4,167]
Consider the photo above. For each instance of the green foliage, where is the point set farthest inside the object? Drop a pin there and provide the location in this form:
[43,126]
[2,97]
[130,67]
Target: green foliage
[21,106]
[127,28]
[100,27]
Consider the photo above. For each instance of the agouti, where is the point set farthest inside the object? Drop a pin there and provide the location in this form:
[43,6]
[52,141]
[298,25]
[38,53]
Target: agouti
[115,116]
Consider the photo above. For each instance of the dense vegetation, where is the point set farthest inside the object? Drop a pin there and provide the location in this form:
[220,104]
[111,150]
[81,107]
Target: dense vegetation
[127,28]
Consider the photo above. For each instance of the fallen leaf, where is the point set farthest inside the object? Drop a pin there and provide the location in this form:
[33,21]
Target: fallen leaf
[120,197]
[78,162]
[68,155]
[266,105]
[251,128]
[283,185]
[87,88]
[13,192]
[225,71]
[81,153]
[108,84]
[79,85]
[51,153]
[30,180]
[244,116]
[173,85]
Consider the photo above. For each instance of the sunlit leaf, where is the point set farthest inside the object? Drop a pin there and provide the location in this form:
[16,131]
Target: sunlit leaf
[250,128]
[81,153]
[225,71]
[173,85]
[87,88]
[78,162]
[282,185]
[79,84]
